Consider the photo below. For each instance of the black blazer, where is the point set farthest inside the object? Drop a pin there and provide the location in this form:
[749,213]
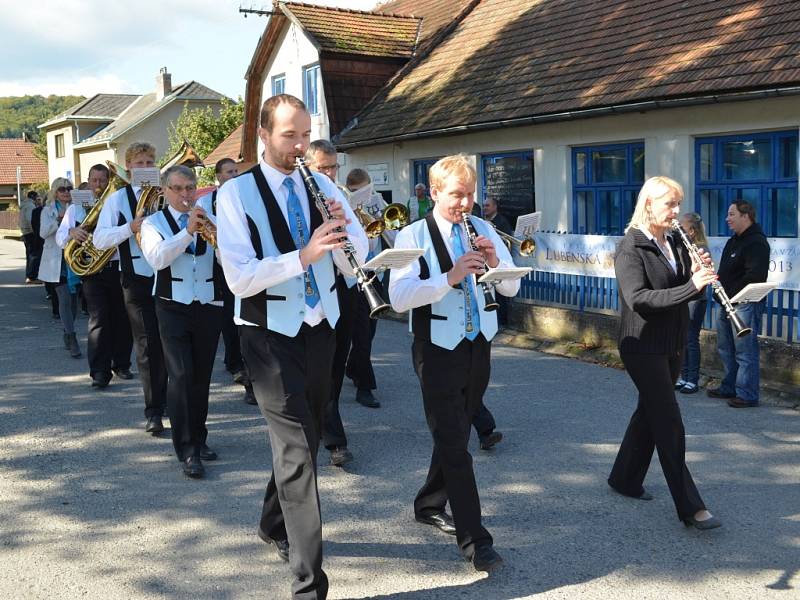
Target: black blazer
[654,299]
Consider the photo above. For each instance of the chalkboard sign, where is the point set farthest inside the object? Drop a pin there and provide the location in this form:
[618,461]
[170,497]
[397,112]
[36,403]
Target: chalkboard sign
[509,178]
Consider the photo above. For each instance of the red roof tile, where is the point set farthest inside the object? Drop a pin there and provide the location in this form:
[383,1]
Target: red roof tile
[511,59]
[15,153]
[357,32]
[230,147]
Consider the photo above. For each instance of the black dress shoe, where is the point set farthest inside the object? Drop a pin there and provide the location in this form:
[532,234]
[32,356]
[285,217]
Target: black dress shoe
[485,558]
[154,425]
[193,467]
[491,440]
[365,398]
[100,380]
[442,521]
[645,495]
[281,546]
[123,373]
[340,456]
[249,396]
[710,523]
[207,453]
[718,393]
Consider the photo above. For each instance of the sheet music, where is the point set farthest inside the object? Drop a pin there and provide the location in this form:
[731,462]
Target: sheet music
[144,177]
[394,259]
[495,275]
[753,292]
[527,224]
[83,198]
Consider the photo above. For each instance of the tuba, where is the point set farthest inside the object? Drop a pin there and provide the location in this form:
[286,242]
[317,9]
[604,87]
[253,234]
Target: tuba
[83,257]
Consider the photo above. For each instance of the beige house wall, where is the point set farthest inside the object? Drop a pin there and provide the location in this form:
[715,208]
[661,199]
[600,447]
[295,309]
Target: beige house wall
[668,136]
[64,166]
[88,158]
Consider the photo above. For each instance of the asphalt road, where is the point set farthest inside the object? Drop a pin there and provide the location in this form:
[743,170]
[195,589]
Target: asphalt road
[92,507]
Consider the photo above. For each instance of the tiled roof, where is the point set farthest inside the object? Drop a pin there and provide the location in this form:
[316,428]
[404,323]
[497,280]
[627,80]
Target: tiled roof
[513,59]
[14,153]
[357,32]
[230,147]
[102,106]
[145,106]
[435,14]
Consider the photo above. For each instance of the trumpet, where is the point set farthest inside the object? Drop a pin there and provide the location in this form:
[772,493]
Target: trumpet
[207,231]
[366,283]
[527,246]
[741,329]
[489,303]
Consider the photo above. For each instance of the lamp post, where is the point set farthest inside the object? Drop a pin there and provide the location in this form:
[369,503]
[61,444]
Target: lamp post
[19,185]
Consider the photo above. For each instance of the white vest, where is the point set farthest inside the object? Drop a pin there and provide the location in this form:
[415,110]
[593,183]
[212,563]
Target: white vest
[442,323]
[280,308]
[131,259]
[190,277]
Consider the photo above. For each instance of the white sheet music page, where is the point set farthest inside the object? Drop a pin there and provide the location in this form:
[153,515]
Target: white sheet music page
[753,292]
[527,224]
[392,258]
[83,198]
[495,275]
[146,177]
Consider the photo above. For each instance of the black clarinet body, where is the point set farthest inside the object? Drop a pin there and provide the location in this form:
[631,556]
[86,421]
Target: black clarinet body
[366,283]
[738,326]
[489,303]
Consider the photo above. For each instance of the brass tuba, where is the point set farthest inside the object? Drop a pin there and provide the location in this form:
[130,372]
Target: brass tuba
[83,257]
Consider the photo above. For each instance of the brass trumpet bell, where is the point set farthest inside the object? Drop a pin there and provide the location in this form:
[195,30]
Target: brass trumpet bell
[526,245]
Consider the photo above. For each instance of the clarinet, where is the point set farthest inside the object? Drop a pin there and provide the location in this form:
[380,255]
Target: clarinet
[740,328]
[366,283]
[489,303]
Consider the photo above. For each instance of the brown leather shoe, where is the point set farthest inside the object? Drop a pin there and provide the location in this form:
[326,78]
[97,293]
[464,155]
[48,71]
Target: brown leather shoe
[717,393]
[739,403]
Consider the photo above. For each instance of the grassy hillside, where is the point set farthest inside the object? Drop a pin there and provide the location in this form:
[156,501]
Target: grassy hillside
[24,113]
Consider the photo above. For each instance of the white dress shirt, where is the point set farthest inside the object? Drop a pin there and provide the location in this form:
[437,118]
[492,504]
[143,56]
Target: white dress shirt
[67,223]
[245,274]
[666,251]
[108,234]
[408,291]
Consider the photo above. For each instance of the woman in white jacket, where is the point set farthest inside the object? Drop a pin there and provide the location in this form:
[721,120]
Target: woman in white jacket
[53,268]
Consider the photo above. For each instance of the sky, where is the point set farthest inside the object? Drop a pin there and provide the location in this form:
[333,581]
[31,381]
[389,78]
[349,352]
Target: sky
[85,47]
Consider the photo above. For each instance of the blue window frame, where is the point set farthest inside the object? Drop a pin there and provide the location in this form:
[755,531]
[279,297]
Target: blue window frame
[605,182]
[758,167]
[509,178]
[421,168]
[311,89]
[279,84]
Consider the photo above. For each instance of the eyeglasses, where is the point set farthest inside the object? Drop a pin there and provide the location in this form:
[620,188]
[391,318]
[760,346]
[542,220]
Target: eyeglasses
[328,167]
[64,189]
[179,189]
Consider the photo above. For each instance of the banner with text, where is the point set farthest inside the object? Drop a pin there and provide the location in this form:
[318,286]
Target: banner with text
[593,255]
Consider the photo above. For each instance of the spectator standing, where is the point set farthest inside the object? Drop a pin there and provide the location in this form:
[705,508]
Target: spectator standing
[692,224]
[420,204]
[491,213]
[28,237]
[745,260]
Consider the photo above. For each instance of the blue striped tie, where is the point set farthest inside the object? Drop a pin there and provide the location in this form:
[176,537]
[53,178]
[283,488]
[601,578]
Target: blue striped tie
[472,317]
[300,235]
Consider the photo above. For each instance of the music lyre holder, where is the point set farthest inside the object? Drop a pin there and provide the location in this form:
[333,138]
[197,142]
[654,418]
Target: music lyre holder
[393,258]
[753,292]
[494,276]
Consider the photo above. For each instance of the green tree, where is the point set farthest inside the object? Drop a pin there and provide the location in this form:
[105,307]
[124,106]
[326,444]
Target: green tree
[204,129]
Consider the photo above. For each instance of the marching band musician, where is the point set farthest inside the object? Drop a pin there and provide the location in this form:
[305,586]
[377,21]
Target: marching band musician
[322,158]
[188,301]
[359,360]
[451,348]
[225,170]
[109,340]
[116,226]
[278,257]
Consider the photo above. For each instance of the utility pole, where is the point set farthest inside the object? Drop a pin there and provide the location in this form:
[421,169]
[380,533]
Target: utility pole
[253,11]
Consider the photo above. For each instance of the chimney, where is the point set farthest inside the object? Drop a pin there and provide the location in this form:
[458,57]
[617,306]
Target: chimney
[163,84]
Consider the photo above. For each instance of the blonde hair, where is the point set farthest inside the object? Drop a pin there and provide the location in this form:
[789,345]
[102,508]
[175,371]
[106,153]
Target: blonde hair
[139,148]
[456,164]
[57,183]
[653,188]
[698,229]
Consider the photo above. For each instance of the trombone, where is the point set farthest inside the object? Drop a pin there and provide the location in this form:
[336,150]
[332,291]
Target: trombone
[394,217]
[527,245]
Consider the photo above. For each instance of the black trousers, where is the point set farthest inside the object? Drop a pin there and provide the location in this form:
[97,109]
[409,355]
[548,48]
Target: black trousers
[138,293]
[332,428]
[453,383]
[359,361]
[109,341]
[230,332]
[290,382]
[31,269]
[189,337]
[656,424]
